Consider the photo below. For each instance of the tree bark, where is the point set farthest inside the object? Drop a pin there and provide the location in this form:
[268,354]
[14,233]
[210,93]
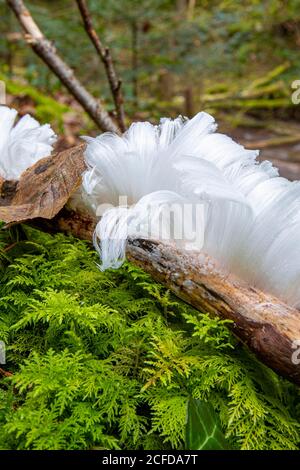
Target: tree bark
[47,52]
[135,61]
[189,102]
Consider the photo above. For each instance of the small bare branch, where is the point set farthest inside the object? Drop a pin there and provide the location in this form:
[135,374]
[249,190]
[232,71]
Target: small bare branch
[105,56]
[47,52]
[5,373]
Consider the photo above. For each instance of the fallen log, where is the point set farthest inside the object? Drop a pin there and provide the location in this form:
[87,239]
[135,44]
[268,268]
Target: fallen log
[269,327]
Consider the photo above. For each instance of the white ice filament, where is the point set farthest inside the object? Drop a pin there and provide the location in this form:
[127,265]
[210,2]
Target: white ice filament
[22,145]
[251,216]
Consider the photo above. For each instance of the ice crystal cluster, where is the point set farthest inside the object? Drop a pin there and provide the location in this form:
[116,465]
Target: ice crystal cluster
[251,216]
[22,145]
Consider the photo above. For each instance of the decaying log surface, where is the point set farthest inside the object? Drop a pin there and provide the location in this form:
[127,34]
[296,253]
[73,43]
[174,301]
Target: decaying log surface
[69,222]
[265,324]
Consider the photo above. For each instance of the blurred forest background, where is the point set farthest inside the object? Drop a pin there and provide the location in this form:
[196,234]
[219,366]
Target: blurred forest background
[108,360]
[234,59]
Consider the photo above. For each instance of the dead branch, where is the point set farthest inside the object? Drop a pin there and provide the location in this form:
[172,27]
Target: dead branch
[5,373]
[271,142]
[47,52]
[105,56]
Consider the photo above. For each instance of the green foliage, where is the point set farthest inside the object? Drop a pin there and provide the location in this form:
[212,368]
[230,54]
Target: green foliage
[46,108]
[203,428]
[110,360]
[165,47]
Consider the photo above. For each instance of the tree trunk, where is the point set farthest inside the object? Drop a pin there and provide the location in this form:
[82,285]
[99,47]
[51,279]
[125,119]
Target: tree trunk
[189,102]
[135,62]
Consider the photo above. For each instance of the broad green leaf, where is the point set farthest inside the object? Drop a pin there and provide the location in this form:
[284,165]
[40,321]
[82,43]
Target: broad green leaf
[203,431]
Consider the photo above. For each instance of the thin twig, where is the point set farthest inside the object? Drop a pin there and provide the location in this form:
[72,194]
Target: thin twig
[47,52]
[135,60]
[10,247]
[5,373]
[105,56]
[272,142]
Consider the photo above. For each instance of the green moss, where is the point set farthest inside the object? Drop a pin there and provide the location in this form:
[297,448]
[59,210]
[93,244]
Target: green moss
[47,109]
[109,360]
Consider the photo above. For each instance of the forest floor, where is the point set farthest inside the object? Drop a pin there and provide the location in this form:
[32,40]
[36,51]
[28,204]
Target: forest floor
[275,132]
